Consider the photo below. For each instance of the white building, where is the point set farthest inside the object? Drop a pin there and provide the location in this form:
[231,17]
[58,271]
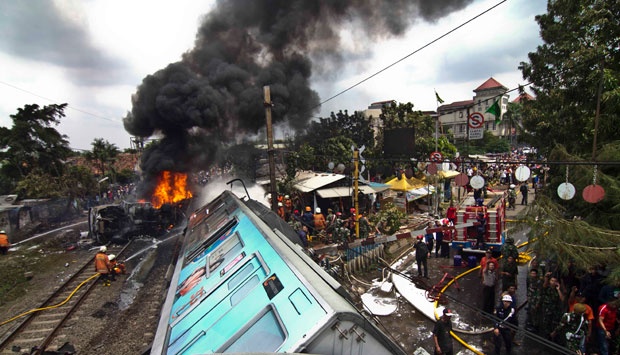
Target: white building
[453,117]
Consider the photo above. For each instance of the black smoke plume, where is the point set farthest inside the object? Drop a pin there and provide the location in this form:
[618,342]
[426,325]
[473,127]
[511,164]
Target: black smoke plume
[214,96]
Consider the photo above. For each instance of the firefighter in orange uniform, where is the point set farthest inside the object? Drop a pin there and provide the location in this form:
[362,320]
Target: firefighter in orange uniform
[102,266]
[116,267]
[4,242]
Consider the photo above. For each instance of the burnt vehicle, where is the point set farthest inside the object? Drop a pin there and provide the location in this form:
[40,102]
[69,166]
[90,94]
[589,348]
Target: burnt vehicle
[120,222]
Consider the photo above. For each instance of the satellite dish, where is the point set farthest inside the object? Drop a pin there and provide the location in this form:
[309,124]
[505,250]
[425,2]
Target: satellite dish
[566,191]
[477,182]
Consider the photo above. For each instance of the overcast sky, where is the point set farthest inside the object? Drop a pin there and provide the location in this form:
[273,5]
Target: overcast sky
[93,54]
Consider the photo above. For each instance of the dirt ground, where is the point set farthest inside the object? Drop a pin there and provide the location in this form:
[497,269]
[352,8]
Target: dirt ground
[123,319]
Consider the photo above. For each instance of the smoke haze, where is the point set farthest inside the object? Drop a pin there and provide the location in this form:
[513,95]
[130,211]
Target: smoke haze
[214,96]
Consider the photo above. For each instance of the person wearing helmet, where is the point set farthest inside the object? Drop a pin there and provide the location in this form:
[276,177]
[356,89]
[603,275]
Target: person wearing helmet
[103,266]
[509,249]
[307,219]
[4,242]
[319,221]
[512,197]
[116,267]
[501,331]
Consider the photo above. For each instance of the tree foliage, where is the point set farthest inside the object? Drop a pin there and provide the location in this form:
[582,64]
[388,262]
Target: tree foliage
[568,242]
[330,140]
[579,55]
[32,144]
[404,116]
[575,76]
[102,155]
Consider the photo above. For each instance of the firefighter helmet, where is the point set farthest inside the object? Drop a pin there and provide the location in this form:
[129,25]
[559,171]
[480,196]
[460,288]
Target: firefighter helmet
[111,257]
[2,232]
[317,210]
[103,249]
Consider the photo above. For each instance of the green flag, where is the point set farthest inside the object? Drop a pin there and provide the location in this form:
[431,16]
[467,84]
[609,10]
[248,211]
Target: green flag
[496,110]
[438,98]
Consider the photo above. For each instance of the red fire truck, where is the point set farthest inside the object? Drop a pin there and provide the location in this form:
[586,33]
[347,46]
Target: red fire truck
[466,227]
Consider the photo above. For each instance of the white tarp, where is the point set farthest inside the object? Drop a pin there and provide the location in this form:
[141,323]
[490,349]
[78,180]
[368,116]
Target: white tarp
[347,191]
[420,192]
[312,181]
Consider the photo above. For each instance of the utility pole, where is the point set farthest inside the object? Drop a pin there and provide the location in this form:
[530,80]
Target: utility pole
[270,151]
[355,190]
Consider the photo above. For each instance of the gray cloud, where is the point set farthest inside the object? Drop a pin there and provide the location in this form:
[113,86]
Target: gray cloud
[216,91]
[37,30]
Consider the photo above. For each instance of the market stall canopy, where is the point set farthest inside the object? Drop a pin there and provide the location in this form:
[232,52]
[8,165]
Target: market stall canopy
[308,182]
[419,192]
[347,191]
[448,174]
[416,183]
[400,184]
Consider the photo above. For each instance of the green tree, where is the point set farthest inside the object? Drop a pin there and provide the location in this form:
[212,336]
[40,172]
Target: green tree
[32,144]
[579,56]
[575,74]
[102,155]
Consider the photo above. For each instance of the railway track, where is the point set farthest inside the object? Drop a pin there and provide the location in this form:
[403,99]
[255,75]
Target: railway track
[40,327]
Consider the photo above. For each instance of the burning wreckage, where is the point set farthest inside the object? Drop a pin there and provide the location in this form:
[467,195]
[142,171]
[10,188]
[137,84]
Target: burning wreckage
[120,222]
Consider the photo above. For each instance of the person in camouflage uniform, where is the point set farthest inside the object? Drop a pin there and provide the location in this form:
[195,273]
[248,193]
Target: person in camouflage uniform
[509,272]
[341,233]
[534,287]
[573,327]
[509,249]
[364,226]
[550,304]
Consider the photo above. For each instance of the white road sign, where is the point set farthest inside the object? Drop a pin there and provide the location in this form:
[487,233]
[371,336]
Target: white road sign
[476,133]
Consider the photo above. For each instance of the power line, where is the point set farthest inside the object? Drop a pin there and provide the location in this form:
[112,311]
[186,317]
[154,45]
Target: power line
[57,102]
[409,55]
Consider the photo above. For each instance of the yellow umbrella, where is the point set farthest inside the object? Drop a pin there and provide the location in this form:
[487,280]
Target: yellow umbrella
[416,183]
[400,184]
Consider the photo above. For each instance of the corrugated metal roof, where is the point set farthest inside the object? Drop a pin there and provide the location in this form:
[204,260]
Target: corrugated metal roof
[316,181]
[347,191]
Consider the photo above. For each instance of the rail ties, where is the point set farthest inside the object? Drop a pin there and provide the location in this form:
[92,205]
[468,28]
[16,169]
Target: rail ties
[39,327]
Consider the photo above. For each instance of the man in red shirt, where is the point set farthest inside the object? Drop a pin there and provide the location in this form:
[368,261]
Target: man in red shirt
[606,323]
[488,257]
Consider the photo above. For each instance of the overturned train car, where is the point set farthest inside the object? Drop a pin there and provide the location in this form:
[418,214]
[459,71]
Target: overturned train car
[120,222]
[243,284]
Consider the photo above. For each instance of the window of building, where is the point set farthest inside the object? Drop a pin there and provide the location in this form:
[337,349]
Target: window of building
[460,114]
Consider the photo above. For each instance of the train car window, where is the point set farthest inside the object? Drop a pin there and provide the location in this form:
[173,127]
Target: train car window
[264,334]
[300,301]
[240,275]
[202,227]
[243,291]
[223,253]
[206,210]
[204,247]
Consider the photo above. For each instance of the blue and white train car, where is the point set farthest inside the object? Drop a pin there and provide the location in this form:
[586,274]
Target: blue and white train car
[243,284]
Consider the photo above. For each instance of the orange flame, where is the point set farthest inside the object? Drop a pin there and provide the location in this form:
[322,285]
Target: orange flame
[171,188]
